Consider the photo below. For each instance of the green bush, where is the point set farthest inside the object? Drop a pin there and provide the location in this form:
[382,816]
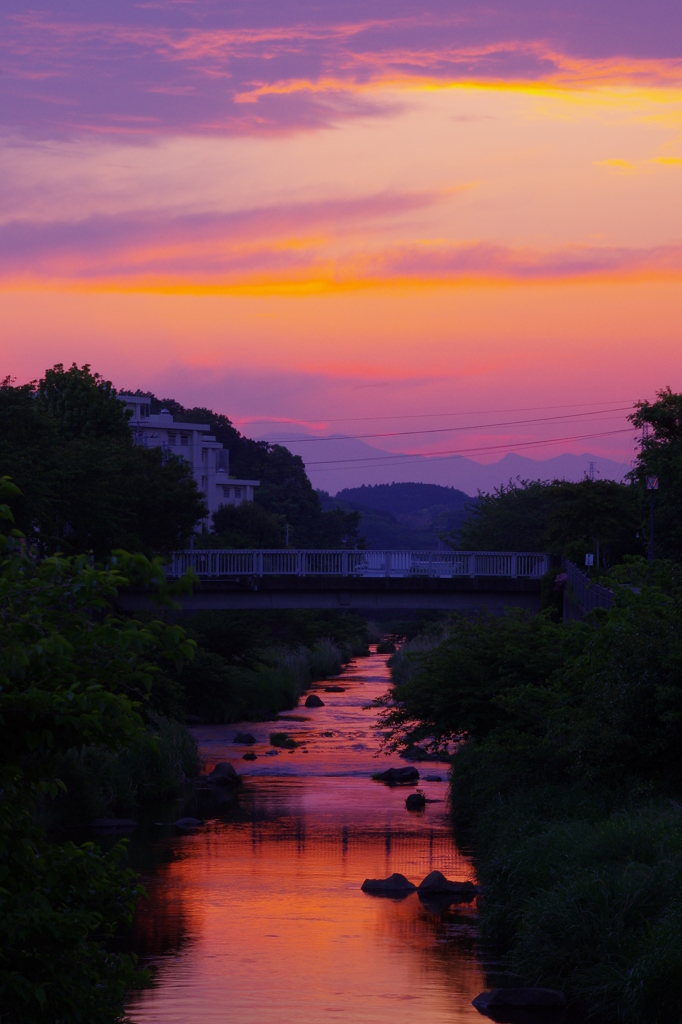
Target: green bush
[251,665]
[104,783]
[72,676]
[567,776]
[218,692]
[587,901]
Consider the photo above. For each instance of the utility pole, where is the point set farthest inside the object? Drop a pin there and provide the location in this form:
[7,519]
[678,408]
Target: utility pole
[651,486]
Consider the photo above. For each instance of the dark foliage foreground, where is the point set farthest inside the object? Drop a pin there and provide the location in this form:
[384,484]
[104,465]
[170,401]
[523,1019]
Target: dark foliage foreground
[72,676]
[569,776]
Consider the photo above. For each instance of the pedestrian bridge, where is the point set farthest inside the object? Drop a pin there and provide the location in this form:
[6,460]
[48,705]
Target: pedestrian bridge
[358,580]
[398,564]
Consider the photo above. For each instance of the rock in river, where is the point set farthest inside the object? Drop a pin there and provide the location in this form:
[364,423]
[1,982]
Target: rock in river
[313,701]
[224,775]
[249,756]
[335,689]
[415,802]
[244,737]
[398,776]
[188,823]
[394,885]
[436,884]
[417,753]
[520,998]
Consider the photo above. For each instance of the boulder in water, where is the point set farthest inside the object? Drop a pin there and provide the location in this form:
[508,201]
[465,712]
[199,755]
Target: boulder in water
[282,739]
[415,802]
[416,753]
[433,778]
[394,885]
[224,775]
[244,737]
[249,756]
[398,776]
[436,884]
[335,689]
[188,823]
[313,701]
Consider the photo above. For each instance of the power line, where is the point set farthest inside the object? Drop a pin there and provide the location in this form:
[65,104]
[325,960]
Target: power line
[431,415]
[444,430]
[456,453]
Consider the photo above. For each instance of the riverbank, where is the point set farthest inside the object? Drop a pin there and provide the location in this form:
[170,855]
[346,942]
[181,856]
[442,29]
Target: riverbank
[244,666]
[253,665]
[102,783]
[567,780]
[583,893]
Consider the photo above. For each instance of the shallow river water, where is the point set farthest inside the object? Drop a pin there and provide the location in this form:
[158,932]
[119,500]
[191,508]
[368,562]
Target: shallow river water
[258,916]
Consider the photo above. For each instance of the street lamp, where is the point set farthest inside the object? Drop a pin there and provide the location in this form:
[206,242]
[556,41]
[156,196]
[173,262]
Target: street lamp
[651,486]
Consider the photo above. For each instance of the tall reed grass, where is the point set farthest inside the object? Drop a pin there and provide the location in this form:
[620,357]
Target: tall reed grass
[100,783]
[587,901]
[325,659]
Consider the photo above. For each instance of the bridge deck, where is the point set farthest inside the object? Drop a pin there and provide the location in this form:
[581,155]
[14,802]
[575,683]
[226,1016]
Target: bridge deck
[361,580]
[237,564]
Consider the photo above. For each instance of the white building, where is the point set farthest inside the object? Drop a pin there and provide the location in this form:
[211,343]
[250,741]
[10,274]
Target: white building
[209,460]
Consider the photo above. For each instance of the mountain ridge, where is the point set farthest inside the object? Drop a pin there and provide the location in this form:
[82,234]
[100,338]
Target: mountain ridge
[335,463]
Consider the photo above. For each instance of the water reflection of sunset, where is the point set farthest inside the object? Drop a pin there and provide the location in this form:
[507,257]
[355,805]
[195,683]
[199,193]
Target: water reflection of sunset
[283,914]
[259,915]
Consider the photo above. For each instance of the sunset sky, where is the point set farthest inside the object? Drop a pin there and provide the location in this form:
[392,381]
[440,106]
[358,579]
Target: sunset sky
[309,214]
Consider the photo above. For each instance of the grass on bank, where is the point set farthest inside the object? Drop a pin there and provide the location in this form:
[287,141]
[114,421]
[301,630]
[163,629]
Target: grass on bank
[586,899]
[116,784]
[253,666]
[568,780]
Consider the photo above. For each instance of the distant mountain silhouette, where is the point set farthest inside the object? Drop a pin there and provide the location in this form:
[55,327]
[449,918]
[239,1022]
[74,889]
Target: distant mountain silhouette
[339,463]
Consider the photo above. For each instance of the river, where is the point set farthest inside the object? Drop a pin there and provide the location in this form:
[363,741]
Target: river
[258,918]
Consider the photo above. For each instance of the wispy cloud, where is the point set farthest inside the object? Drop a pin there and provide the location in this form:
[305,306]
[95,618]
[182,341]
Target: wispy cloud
[306,247]
[144,71]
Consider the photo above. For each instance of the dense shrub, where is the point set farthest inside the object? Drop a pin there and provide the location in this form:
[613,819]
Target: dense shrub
[72,675]
[567,771]
[252,665]
[104,783]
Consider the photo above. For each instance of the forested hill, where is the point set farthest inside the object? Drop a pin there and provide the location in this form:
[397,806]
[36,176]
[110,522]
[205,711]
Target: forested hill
[403,515]
[405,498]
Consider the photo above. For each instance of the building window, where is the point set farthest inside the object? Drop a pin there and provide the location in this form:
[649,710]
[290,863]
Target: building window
[184,439]
[204,456]
[144,411]
[238,493]
[226,492]
[204,484]
[171,437]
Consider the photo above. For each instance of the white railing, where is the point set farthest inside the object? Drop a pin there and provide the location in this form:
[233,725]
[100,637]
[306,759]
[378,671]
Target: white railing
[589,595]
[304,562]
